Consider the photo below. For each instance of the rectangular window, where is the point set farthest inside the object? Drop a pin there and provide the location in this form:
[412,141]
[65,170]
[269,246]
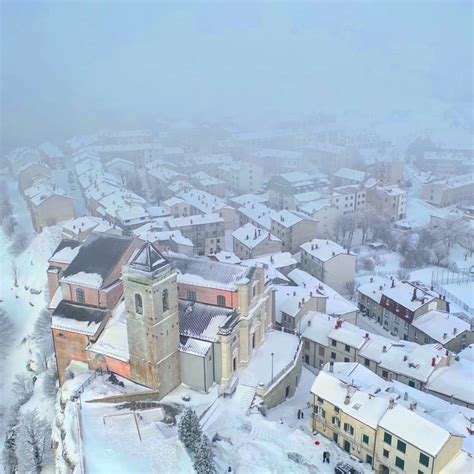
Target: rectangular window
[347,348]
[411,383]
[367,362]
[387,438]
[333,343]
[400,463]
[333,355]
[320,400]
[424,459]
[385,453]
[384,374]
[336,410]
[369,460]
[348,428]
[321,351]
[191,295]
[346,359]
[401,446]
[365,439]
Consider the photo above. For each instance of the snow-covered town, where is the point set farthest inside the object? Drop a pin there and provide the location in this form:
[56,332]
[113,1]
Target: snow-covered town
[226,295]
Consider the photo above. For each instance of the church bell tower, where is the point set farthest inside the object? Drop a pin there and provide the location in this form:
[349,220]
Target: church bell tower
[151,302]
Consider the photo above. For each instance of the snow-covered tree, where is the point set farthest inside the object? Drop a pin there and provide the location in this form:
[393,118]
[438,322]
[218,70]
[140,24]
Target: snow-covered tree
[23,387]
[9,226]
[42,337]
[204,460]
[33,442]
[5,203]
[6,333]
[189,430]
[50,381]
[10,461]
[20,242]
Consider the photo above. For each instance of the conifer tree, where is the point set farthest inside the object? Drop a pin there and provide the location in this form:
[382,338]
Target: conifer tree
[189,430]
[204,461]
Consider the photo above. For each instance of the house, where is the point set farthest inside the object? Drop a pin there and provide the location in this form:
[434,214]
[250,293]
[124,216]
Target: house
[348,177]
[206,232]
[389,201]
[388,172]
[283,189]
[330,263]
[257,214]
[293,228]
[383,425]
[447,161]
[120,168]
[48,205]
[397,306]
[250,242]
[241,177]
[81,227]
[451,332]
[448,191]
[32,173]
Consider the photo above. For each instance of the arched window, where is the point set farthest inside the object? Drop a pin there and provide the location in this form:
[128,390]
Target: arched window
[80,295]
[165,301]
[138,304]
[220,300]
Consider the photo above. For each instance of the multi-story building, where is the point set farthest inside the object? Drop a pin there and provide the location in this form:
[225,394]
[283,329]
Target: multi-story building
[48,205]
[389,201]
[250,242]
[293,228]
[32,173]
[348,177]
[206,232]
[397,306]
[257,214]
[443,328]
[449,191]
[283,188]
[349,199]
[242,177]
[388,172]
[381,425]
[329,262]
[443,162]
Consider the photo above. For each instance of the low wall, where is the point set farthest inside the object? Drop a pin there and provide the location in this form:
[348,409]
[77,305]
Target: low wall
[277,393]
[128,397]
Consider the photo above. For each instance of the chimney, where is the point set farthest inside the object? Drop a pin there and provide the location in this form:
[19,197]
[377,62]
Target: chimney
[384,349]
[311,294]
[367,335]
[309,322]
[393,283]
[380,287]
[391,403]
[371,279]
[333,253]
[299,304]
[455,330]
[331,366]
[405,358]
[302,301]
[445,335]
[413,298]
[294,293]
[405,396]
[433,361]
[413,406]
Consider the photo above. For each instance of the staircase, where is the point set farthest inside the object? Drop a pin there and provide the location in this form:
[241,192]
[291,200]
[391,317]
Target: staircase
[243,396]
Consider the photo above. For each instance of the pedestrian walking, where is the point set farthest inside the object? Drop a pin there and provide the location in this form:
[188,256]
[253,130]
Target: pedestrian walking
[302,414]
[328,457]
[299,414]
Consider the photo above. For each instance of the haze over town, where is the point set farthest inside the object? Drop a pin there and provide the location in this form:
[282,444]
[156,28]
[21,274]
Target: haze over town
[237,237]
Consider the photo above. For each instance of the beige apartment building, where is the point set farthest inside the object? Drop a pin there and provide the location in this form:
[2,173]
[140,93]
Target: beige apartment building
[379,430]
[293,228]
[388,172]
[389,201]
[329,262]
[250,242]
[446,192]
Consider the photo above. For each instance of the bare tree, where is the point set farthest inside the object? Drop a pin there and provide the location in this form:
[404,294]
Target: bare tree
[20,242]
[9,226]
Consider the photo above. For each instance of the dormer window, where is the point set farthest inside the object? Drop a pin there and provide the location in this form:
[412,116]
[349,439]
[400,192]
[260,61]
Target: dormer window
[138,304]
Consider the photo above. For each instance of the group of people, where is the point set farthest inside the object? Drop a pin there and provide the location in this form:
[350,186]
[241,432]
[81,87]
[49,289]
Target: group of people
[300,414]
[326,456]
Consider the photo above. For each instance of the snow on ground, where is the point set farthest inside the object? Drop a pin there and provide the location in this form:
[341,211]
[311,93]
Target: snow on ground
[248,443]
[259,370]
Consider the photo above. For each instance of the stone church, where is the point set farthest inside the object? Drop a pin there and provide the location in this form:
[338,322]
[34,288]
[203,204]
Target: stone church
[172,319]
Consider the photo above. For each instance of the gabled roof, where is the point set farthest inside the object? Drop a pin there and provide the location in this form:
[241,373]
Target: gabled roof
[98,255]
[148,259]
[78,318]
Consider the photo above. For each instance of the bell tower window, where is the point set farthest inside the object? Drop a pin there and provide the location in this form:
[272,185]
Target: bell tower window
[166,305]
[138,304]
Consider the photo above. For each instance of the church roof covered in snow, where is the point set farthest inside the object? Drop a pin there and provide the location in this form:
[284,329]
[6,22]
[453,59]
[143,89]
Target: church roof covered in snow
[78,318]
[147,259]
[97,256]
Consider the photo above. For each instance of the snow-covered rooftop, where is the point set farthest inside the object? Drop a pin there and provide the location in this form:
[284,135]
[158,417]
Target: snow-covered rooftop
[350,174]
[324,250]
[289,218]
[441,326]
[251,236]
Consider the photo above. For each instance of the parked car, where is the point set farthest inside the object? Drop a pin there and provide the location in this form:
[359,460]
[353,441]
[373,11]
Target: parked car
[344,468]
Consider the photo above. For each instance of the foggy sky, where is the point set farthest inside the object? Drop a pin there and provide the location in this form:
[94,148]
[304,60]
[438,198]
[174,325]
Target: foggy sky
[72,67]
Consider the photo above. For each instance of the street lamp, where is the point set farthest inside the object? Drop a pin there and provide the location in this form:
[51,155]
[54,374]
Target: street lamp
[272,366]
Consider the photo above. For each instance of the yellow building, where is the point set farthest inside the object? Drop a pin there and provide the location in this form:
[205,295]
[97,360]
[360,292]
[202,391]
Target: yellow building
[372,424]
